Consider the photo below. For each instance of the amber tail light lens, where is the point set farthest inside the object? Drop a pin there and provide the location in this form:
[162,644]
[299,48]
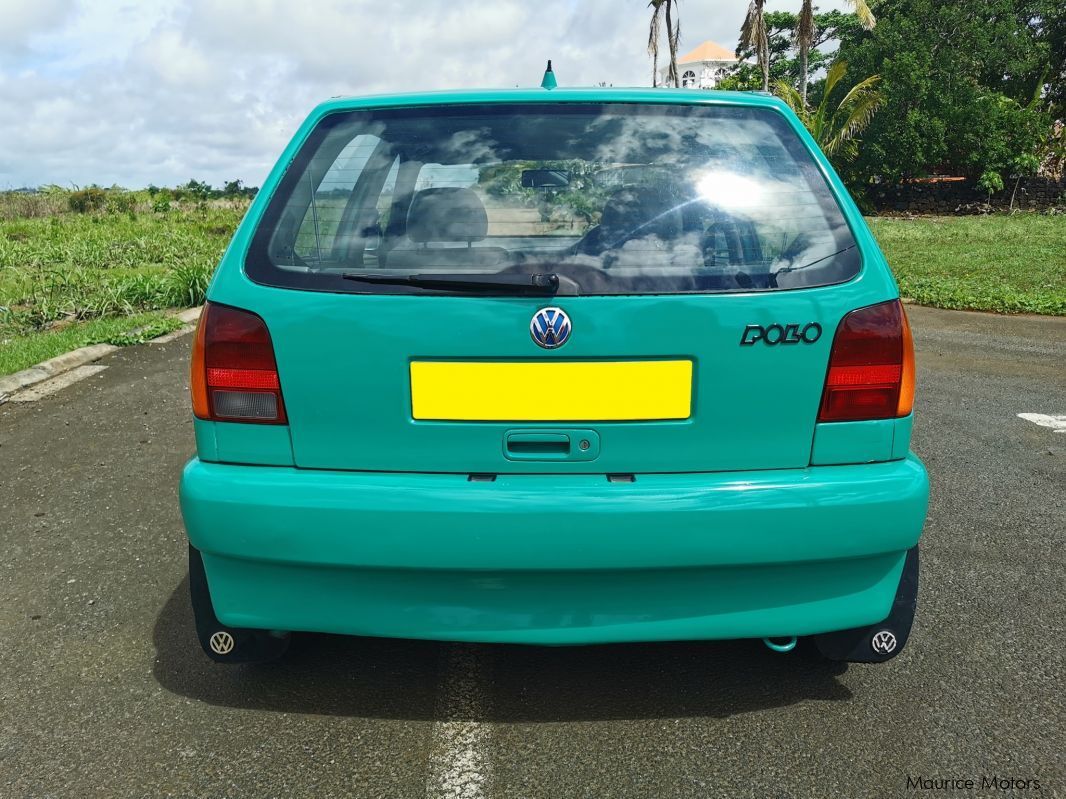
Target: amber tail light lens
[234,374]
[871,366]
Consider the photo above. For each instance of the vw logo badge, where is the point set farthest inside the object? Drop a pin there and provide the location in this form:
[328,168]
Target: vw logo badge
[222,643]
[884,642]
[550,327]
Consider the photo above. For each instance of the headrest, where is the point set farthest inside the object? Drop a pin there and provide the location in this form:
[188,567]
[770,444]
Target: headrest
[447,214]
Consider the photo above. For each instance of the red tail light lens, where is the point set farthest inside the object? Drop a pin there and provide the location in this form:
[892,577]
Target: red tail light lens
[871,367]
[234,374]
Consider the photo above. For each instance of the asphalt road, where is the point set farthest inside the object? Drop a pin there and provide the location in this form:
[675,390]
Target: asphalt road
[105,693]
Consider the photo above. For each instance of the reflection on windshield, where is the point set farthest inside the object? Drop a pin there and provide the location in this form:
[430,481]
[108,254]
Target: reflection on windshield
[728,190]
[615,199]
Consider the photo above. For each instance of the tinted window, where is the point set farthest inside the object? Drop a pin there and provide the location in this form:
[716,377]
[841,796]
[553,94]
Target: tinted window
[613,198]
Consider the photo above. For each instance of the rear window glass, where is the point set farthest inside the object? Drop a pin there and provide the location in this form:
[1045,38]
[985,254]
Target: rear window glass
[611,198]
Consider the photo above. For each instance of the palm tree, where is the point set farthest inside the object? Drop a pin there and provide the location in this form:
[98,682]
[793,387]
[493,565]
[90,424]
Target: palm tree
[836,129]
[805,32]
[661,8]
[753,35]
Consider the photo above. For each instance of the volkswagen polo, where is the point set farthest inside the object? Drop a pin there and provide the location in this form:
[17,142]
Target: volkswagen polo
[563,366]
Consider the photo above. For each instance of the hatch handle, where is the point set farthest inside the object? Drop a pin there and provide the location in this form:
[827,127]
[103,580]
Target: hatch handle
[538,446]
[551,444]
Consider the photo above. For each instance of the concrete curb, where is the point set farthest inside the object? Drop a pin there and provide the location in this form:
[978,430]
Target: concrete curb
[190,315]
[46,370]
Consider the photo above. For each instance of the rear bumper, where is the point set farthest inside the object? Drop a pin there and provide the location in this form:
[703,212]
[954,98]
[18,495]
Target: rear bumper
[554,559]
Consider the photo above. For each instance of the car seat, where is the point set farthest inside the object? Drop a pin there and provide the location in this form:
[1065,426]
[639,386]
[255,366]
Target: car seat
[439,222]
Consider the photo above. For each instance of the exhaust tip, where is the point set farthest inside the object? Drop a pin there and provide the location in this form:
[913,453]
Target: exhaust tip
[781,644]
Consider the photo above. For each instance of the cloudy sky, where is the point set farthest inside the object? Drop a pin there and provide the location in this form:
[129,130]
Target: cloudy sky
[161,91]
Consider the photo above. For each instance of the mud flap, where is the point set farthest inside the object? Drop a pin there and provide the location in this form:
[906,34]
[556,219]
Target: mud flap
[884,640]
[228,644]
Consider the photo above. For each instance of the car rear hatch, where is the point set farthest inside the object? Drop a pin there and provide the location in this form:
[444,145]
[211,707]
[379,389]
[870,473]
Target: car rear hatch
[701,292]
[350,395]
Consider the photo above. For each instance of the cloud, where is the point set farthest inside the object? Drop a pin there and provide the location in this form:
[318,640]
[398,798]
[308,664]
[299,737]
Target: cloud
[128,92]
[177,62]
[22,20]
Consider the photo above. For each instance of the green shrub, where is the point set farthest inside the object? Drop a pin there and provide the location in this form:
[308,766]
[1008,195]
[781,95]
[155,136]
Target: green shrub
[87,200]
[185,285]
[121,202]
[991,181]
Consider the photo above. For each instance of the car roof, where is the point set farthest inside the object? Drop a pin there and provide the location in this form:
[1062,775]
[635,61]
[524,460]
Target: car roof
[590,94]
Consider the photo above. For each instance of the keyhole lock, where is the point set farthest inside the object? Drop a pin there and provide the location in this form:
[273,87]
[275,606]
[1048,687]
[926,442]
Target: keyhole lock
[584,444]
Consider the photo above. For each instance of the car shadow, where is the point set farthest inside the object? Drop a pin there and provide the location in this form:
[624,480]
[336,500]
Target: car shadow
[399,679]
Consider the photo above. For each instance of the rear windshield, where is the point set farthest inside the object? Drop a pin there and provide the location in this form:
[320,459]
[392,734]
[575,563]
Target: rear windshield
[611,198]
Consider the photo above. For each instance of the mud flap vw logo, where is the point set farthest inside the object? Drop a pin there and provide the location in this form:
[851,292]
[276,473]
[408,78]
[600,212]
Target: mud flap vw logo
[884,642]
[222,643]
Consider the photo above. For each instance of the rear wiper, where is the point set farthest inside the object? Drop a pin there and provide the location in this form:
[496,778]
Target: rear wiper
[537,283]
[815,262]
[785,270]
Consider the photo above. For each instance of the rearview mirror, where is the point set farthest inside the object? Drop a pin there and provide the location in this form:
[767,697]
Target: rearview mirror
[545,179]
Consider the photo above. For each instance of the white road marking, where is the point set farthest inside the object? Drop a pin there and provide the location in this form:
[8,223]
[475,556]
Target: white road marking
[56,383]
[459,761]
[1056,423]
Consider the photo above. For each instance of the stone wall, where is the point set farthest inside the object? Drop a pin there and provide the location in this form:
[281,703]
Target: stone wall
[966,197]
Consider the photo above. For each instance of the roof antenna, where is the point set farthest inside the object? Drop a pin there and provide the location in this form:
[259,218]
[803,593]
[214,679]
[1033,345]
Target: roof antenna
[549,81]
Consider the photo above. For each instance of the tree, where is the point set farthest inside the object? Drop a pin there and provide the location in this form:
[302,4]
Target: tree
[783,56]
[200,189]
[806,32]
[1024,164]
[836,127]
[966,86]
[660,9]
[753,35]
[1055,35]
[654,34]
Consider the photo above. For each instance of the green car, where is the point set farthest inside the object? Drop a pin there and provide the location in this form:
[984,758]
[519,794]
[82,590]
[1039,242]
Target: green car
[554,366]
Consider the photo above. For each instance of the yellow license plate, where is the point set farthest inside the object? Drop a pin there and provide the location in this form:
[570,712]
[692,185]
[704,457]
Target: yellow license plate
[555,391]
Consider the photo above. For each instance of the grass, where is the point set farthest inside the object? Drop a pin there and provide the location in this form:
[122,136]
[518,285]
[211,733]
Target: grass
[20,352]
[71,279]
[1006,264]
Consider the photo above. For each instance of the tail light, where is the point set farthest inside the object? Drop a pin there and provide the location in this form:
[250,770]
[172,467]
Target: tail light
[871,367]
[234,374]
